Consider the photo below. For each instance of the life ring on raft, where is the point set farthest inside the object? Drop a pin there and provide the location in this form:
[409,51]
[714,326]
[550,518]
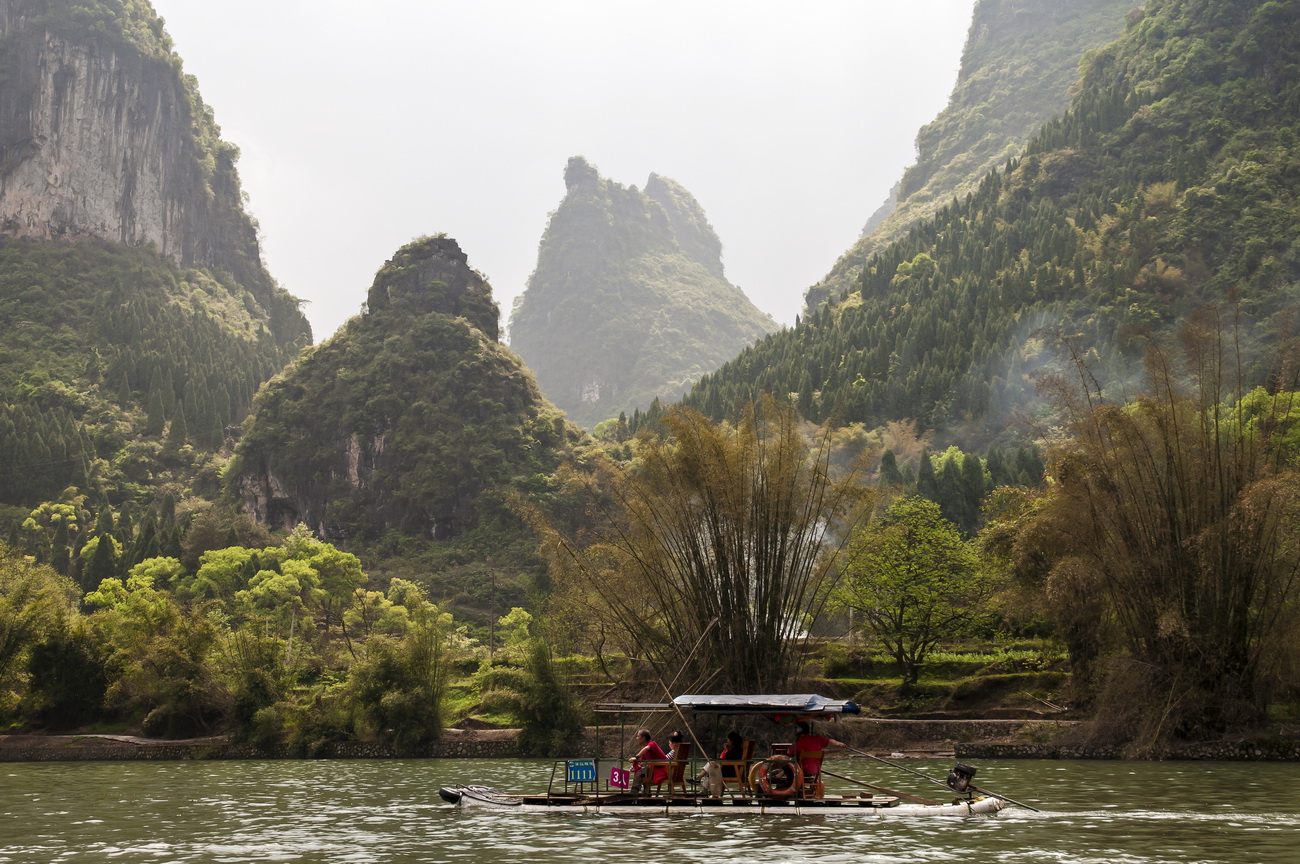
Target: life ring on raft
[778,777]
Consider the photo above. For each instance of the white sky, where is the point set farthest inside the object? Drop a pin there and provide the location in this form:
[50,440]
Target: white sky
[364,125]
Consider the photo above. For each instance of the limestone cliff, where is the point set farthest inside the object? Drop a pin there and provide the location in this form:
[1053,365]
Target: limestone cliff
[138,319]
[102,137]
[1020,60]
[405,418]
[629,301]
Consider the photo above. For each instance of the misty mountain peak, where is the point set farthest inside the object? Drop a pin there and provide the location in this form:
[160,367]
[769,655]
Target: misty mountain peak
[689,225]
[628,301]
[579,174]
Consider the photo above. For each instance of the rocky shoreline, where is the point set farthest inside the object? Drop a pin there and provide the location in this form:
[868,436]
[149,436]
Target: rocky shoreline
[897,738]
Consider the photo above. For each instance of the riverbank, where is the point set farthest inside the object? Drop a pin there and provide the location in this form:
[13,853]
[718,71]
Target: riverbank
[890,738]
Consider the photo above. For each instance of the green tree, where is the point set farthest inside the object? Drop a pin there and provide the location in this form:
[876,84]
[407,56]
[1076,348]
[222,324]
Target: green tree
[68,678]
[550,716]
[177,433]
[914,580]
[400,685]
[889,473]
[60,554]
[34,602]
[156,418]
[102,557]
[927,485]
[161,659]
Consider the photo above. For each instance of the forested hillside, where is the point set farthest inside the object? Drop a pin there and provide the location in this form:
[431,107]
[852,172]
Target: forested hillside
[404,419]
[1020,61]
[628,301]
[1170,183]
[138,320]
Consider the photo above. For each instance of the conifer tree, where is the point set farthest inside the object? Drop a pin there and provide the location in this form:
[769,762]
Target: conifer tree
[103,563]
[146,543]
[104,524]
[156,419]
[177,433]
[125,532]
[997,472]
[167,510]
[927,485]
[171,543]
[59,552]
[889,473]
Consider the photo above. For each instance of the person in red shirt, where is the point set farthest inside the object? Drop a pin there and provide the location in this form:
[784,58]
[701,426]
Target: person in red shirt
[807,743]
[652,753]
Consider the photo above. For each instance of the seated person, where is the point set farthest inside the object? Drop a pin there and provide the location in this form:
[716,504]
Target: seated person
[810,749]
[733,751]
[674,740]
[650,752]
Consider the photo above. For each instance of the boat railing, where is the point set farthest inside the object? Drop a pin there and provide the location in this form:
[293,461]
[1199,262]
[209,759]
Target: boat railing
[585,776]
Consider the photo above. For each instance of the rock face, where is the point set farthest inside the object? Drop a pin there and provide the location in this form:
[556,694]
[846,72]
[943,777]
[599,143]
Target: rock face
[127,257]
[1020,60]
[102,137]
[403,419]
[629,301]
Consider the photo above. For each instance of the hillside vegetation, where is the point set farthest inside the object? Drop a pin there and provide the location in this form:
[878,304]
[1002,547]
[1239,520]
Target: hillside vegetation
[1170,183]
[1020,61]
[124,372]
[404,419]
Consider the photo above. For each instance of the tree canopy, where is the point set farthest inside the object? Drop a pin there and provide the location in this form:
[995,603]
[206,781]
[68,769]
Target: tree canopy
[914,580]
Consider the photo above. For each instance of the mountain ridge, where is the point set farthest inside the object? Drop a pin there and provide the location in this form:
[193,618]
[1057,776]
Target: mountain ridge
[1168,185]
[1020,60]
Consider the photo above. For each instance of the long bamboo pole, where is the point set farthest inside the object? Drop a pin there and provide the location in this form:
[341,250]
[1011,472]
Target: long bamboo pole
[915,799]
[940,782]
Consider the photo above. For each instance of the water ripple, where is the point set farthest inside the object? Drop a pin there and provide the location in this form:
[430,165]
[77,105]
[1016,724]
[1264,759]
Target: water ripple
[377,812]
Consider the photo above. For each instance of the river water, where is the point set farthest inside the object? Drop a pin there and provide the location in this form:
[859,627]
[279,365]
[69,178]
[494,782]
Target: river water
[389,811]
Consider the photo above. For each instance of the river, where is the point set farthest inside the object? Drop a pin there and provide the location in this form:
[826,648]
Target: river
[389,811]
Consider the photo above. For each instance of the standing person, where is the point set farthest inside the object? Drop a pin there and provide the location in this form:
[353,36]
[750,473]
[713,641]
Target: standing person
[810,749]
[652,753]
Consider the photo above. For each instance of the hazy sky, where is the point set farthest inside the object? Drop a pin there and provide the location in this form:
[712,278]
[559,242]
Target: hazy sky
[365,125]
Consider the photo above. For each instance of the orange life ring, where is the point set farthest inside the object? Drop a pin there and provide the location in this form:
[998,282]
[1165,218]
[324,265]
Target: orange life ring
[778,777]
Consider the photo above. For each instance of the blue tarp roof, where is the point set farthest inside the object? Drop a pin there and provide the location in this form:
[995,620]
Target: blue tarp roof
[803,703]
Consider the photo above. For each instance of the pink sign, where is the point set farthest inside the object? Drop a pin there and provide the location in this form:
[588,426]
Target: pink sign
[619,778]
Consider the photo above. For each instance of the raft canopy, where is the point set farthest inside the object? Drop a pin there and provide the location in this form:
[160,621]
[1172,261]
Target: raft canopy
[808,704]
[780,705]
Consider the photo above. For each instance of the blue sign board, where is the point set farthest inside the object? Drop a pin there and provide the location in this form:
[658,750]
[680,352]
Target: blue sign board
[582,770]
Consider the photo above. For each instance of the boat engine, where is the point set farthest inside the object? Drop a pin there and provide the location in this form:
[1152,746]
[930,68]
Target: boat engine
[960,776]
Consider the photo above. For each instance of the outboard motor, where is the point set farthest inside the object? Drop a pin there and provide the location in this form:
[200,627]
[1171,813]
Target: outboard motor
[960,777]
